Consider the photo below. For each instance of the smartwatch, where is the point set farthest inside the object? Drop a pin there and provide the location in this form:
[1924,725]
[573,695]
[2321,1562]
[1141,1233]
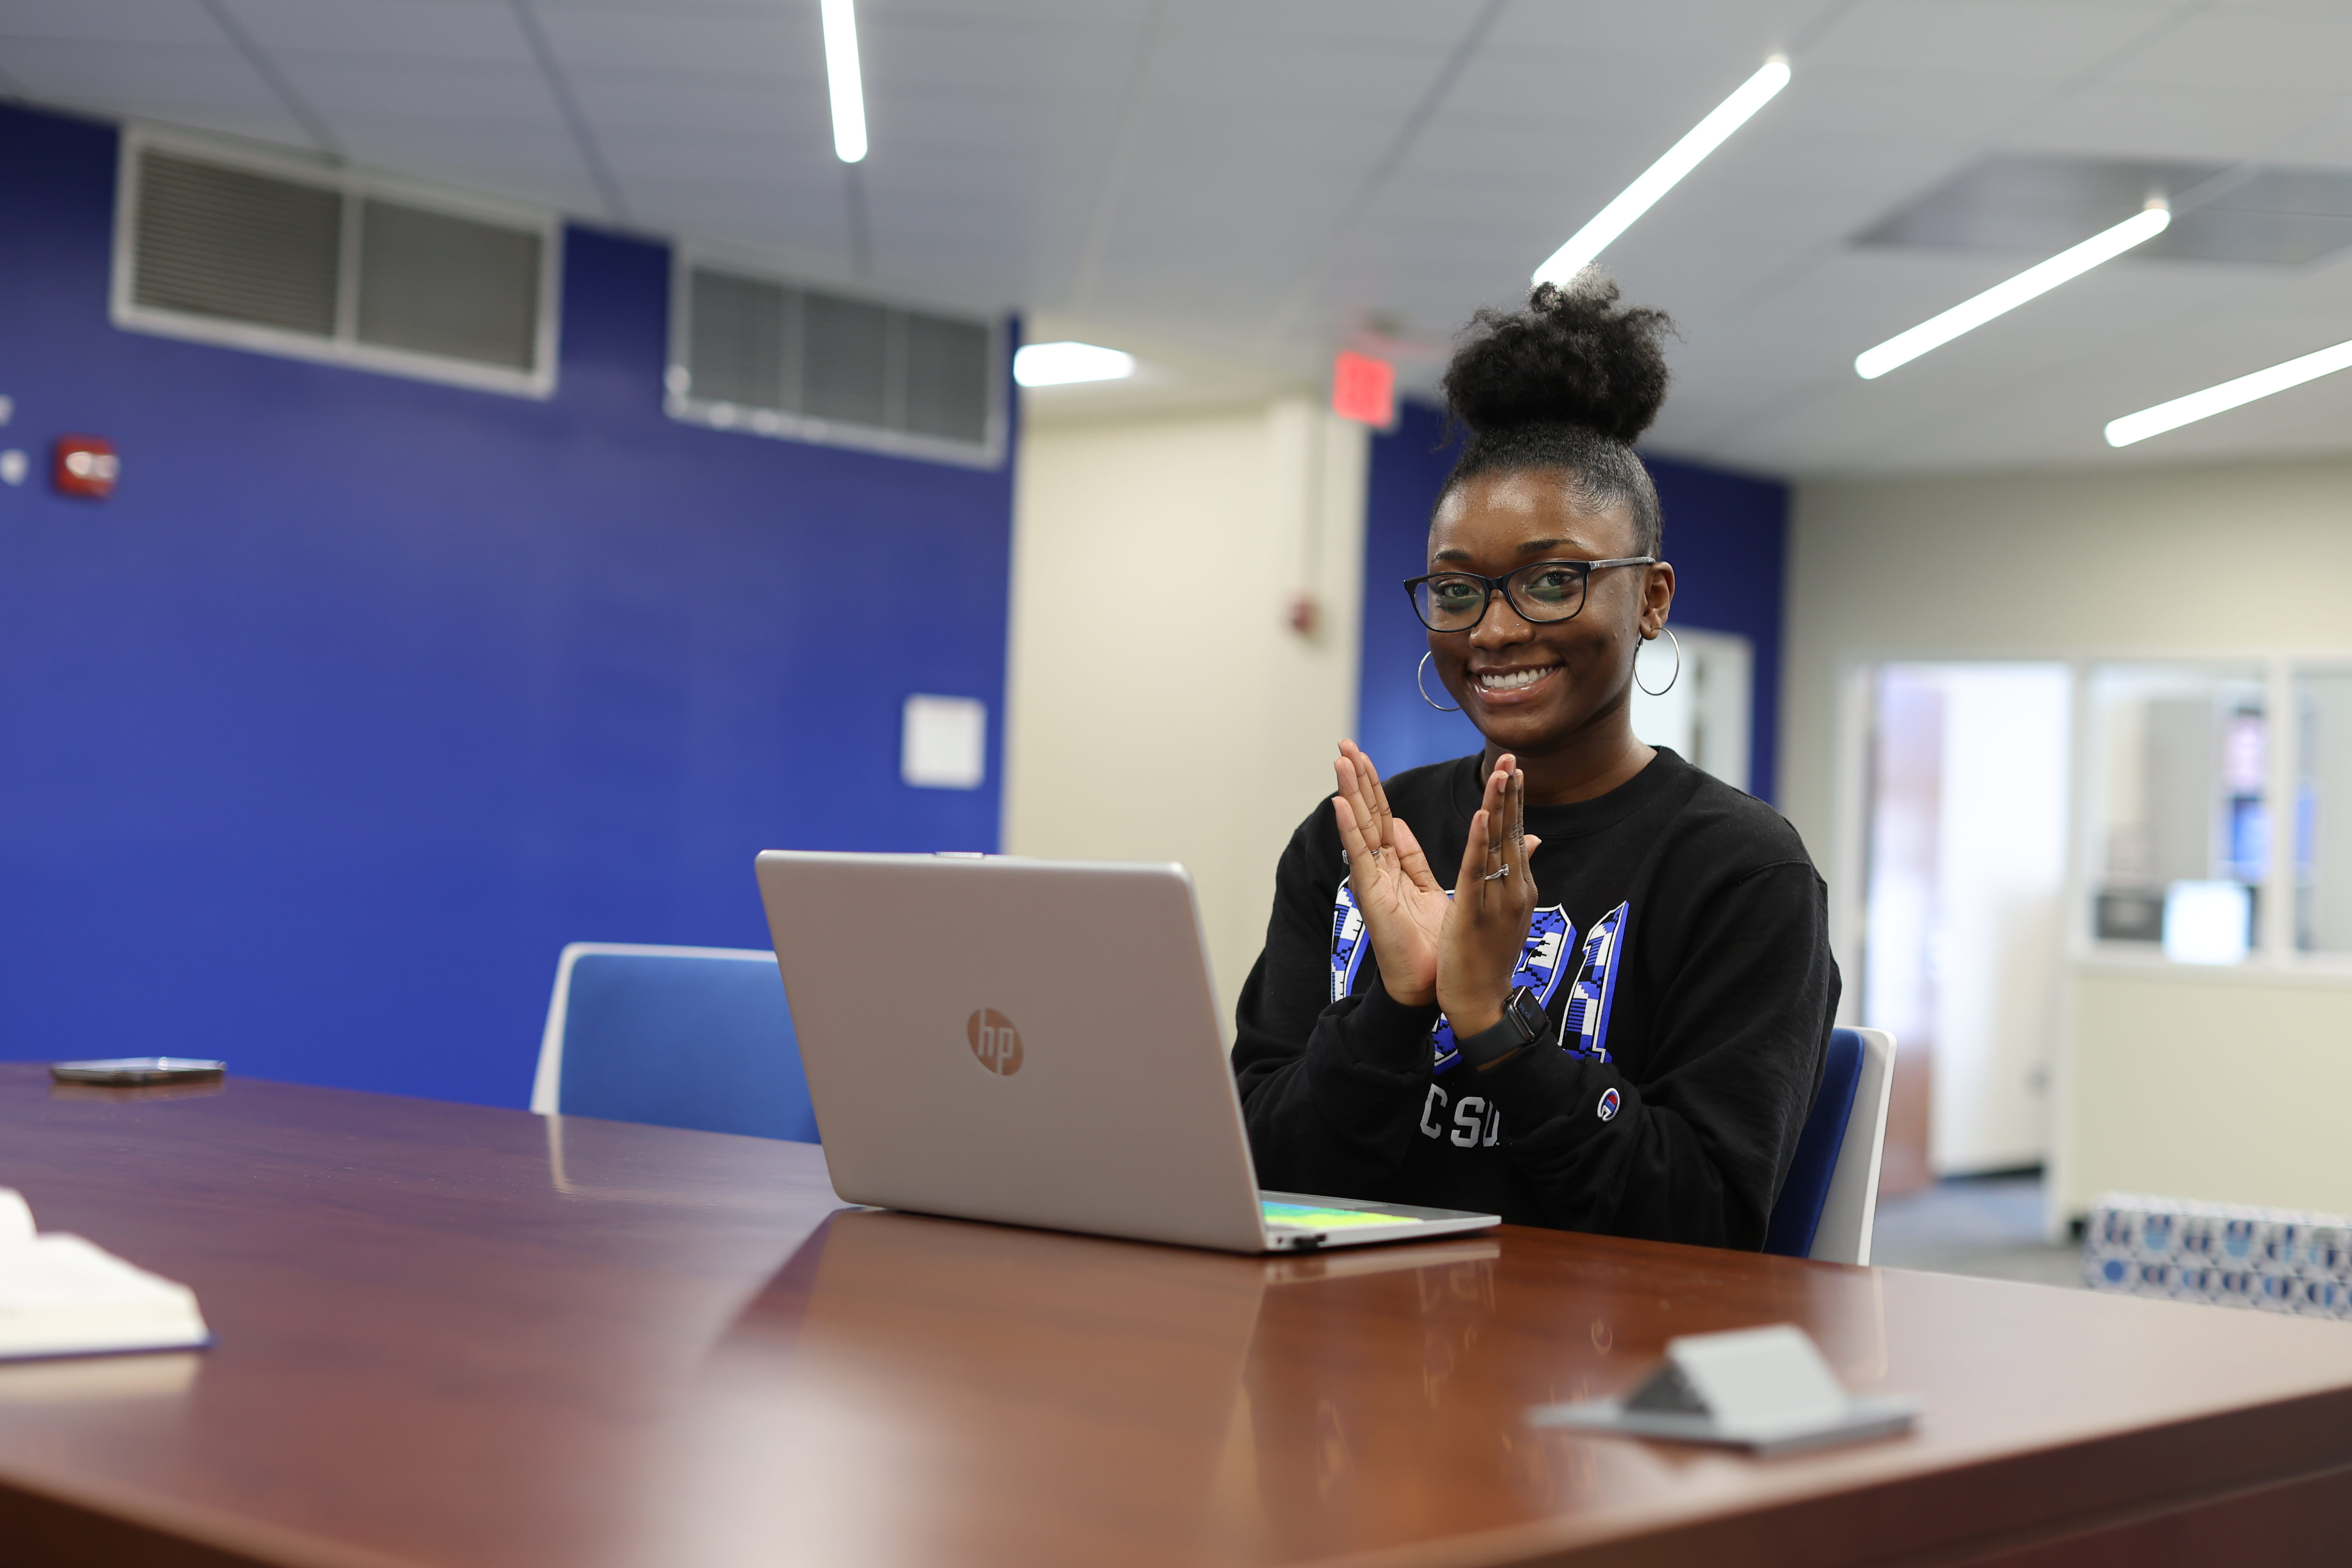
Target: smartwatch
[1523,1025]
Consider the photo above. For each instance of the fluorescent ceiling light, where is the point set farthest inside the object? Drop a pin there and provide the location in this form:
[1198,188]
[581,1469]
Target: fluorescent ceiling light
[841,74]
[1060,364]
[2214,400]
[1662,175]
[2002,298]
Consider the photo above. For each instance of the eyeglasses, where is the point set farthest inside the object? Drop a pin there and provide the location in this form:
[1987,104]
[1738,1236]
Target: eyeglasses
[1543,592]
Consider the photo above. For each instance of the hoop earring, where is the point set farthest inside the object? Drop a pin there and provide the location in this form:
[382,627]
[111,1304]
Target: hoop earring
[1677,675]
[1421,671]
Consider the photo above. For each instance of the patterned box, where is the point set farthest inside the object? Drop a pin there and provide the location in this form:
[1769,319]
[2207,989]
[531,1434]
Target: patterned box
[2231,1255]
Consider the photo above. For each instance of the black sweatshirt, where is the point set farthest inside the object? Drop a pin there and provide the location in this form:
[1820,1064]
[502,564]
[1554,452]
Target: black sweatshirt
[1681,942]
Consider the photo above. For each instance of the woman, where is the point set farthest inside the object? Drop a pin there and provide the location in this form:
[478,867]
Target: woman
[1615,1020]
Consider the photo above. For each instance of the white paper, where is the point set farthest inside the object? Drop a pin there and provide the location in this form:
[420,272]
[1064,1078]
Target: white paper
[16,1217]
[60,1295]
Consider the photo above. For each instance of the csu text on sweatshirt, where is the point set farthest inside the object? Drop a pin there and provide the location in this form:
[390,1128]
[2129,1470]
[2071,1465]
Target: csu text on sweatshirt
[1680,943]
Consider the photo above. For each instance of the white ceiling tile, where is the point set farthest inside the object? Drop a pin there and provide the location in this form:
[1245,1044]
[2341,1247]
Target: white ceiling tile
[724,109]
[1984,38]
[451,149]
[413,32]
[168,83]
[763,41]
[2250,50]
[1919,102]
[2169,120]
[1700,37]
[112,21]
[479,96]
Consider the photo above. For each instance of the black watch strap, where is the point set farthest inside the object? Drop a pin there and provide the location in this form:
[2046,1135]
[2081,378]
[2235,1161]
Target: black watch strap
[1523,1024]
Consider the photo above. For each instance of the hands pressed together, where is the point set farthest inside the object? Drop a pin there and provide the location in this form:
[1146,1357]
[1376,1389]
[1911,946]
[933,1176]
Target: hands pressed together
[1460,952]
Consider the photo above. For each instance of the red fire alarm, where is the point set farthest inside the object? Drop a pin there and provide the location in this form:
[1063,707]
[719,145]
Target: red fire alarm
[86,466]
[1363,389]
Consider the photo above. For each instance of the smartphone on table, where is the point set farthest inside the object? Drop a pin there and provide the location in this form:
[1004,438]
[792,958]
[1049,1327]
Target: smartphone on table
[137,1069]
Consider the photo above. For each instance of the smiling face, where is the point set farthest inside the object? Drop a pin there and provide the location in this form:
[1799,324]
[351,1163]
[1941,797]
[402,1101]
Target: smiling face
[1538,688]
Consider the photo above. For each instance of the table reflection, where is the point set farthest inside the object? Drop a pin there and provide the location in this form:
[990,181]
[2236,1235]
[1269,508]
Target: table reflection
[1225,1406]
[124,1093]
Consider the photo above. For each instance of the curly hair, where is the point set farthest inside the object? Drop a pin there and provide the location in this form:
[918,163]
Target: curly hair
[1565,384]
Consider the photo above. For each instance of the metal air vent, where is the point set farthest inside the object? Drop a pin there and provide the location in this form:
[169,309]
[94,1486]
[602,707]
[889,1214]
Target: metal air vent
[776,358]
[326,265]
[846,359]
[743,332]
[948,377]
[439,284]
[238,246]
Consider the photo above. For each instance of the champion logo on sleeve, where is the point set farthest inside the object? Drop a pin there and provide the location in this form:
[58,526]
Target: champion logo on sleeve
[1608,1106]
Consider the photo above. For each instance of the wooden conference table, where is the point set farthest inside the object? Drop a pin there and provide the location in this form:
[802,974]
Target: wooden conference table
[452,1335]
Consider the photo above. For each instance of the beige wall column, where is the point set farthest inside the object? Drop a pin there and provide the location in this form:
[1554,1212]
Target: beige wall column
[1160,707]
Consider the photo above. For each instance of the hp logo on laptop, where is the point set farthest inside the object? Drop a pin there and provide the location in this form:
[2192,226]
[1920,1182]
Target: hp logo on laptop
[994,1041]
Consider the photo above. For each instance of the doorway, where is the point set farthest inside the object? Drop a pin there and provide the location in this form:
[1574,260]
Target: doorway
[1964,909]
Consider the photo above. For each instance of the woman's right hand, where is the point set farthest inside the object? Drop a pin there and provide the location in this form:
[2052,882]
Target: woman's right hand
[1403,905]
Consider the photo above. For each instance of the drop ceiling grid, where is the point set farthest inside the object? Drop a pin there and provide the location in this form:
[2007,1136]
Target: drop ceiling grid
[409,30]
[1833,423]
[2024,41]
[1496,183]
[1681,42]
[1424,24]
[2034,386]
[995,133]
[490,94]
[185,86]
[916,55]
[2041,381]
[109,22]
[752,120]
[536,163]
[2248,50]
[2163,120]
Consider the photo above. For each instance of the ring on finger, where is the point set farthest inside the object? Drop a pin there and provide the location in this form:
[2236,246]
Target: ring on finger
[1498,874]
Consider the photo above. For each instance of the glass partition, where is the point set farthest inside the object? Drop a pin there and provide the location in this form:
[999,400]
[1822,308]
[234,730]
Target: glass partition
[2323,810]
[2180,818]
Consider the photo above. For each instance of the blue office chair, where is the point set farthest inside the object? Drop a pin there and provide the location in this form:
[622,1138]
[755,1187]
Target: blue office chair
[1830,1199]
[679,1036]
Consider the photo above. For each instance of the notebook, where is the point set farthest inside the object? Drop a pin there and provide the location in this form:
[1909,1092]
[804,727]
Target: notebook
[60,1295]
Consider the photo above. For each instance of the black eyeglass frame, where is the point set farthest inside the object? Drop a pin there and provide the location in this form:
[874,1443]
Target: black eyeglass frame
[1502,584]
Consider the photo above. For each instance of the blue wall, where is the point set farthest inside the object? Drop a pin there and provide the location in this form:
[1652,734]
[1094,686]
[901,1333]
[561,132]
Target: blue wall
[1725,533]
[364,695]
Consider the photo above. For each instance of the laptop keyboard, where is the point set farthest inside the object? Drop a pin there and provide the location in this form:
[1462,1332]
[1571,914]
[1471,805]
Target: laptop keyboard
[1313,1219]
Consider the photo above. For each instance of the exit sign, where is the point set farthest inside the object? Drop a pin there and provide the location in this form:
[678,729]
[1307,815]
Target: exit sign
[1364,389]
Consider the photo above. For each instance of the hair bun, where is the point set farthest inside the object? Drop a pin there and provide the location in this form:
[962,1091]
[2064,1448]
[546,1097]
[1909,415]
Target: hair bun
[1574,356]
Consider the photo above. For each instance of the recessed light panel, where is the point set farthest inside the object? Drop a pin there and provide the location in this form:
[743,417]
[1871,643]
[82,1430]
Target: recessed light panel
[1063,364]
[2027,203]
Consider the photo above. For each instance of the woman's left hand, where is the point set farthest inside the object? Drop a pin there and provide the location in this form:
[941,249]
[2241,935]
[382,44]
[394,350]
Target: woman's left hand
[1486,928]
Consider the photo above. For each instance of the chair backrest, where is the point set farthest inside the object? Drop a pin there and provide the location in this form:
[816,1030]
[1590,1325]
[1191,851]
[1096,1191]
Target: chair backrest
[1844,1235]
[1830,1200]
[679,1036]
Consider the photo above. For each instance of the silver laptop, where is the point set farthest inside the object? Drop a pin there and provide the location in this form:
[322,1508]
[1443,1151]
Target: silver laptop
[1033,1041]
